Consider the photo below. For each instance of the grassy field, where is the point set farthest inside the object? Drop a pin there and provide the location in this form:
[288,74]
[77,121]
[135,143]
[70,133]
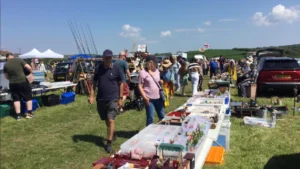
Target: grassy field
[68,136]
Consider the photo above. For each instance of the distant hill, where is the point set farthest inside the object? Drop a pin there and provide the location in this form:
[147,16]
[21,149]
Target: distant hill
[238,53]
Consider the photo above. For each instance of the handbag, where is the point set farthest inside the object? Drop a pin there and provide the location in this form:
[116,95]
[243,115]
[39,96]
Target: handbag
[162,93]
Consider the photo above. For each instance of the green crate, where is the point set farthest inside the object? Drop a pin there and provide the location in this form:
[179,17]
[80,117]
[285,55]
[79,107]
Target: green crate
[4,110]
[39,100]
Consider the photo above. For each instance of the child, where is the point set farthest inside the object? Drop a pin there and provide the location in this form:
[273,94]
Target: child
[222,92]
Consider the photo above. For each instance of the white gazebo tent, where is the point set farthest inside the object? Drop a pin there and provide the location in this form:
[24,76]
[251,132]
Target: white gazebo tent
[32,54]
[50,54]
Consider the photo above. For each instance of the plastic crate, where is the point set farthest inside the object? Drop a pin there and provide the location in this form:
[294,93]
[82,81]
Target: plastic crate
[227,115]
[24,107]
[50,100]
[224,136]
[215,155]
[67,98]
[39,100]
[4,110]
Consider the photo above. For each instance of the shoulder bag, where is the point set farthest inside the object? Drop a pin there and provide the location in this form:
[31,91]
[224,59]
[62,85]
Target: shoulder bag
[161,91]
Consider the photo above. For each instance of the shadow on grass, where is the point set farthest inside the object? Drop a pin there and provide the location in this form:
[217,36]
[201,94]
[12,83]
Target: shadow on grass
[100,141]
[290,161]
[180,95]
[97,140]
[126,134]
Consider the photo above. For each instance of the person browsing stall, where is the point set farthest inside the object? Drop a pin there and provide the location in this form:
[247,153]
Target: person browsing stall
[165,76]
[149,87]
[250,78]
[195,72]
[123,66]
[18,84]
[109,80]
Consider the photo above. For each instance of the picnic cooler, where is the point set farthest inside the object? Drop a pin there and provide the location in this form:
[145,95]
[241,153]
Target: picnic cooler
[4,110]
[51,100]
[67,98]
[39,76]
[35,105]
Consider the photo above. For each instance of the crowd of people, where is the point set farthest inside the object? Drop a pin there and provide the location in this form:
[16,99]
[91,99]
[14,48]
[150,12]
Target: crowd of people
[157,82]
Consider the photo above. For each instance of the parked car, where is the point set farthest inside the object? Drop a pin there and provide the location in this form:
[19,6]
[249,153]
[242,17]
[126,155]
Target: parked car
[63,71]
[269,52]
[280,74]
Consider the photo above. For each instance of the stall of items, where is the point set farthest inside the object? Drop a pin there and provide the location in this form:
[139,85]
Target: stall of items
[41,97]
[182,140]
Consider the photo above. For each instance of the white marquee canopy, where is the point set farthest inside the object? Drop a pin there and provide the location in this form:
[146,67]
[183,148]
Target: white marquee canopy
[50,54]
[32,54]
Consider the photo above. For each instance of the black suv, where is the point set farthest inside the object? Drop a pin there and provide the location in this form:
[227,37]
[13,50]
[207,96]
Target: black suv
[63,71]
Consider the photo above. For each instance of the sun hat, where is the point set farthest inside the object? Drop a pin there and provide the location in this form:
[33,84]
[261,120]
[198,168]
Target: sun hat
[166,63]
[107,53]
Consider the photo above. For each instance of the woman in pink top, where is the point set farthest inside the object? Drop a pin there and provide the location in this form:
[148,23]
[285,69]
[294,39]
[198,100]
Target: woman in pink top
[150,91]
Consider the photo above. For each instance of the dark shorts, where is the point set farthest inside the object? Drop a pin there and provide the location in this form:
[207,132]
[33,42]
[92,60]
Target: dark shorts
[108,109]
[20,91]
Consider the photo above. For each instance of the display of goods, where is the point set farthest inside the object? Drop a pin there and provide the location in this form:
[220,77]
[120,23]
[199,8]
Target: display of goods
[149,137]
[253,121]
[118,162]
[205,111]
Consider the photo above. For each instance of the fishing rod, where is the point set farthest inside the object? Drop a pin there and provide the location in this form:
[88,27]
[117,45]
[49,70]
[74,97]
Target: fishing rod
[90,39]
[74,36]
[93,42]
[84,37]
[80,39]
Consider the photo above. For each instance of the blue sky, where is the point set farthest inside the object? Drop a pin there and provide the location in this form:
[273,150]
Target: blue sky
[164,25]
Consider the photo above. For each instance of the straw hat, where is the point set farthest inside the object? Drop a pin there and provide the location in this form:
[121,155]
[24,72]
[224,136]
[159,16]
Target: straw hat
[250,59]
[166,63]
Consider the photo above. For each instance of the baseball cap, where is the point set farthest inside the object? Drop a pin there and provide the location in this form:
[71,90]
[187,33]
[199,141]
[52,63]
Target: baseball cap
[107,53]
[151,57]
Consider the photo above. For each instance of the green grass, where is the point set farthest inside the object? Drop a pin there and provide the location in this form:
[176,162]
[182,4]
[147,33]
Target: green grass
[68,136]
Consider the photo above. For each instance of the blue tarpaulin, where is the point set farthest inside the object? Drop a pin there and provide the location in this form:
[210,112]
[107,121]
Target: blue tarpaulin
[84,56]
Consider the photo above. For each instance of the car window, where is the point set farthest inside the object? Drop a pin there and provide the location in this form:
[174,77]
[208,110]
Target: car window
[281,64]
[62,66]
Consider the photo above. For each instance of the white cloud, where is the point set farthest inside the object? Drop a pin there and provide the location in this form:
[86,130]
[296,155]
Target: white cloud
[134,33]
[207,23]
[165,33]
[228,20]
[189,30]
[201,30]
[259,19]
[131,32]
[279,13]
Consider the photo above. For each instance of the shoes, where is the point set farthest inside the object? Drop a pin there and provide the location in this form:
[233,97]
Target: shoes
[31,115]
[28,116]
[108,148]
[18,118]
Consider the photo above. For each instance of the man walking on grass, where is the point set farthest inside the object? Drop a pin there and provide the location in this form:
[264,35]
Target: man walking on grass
[123,66]
[19,85]
[109,80]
